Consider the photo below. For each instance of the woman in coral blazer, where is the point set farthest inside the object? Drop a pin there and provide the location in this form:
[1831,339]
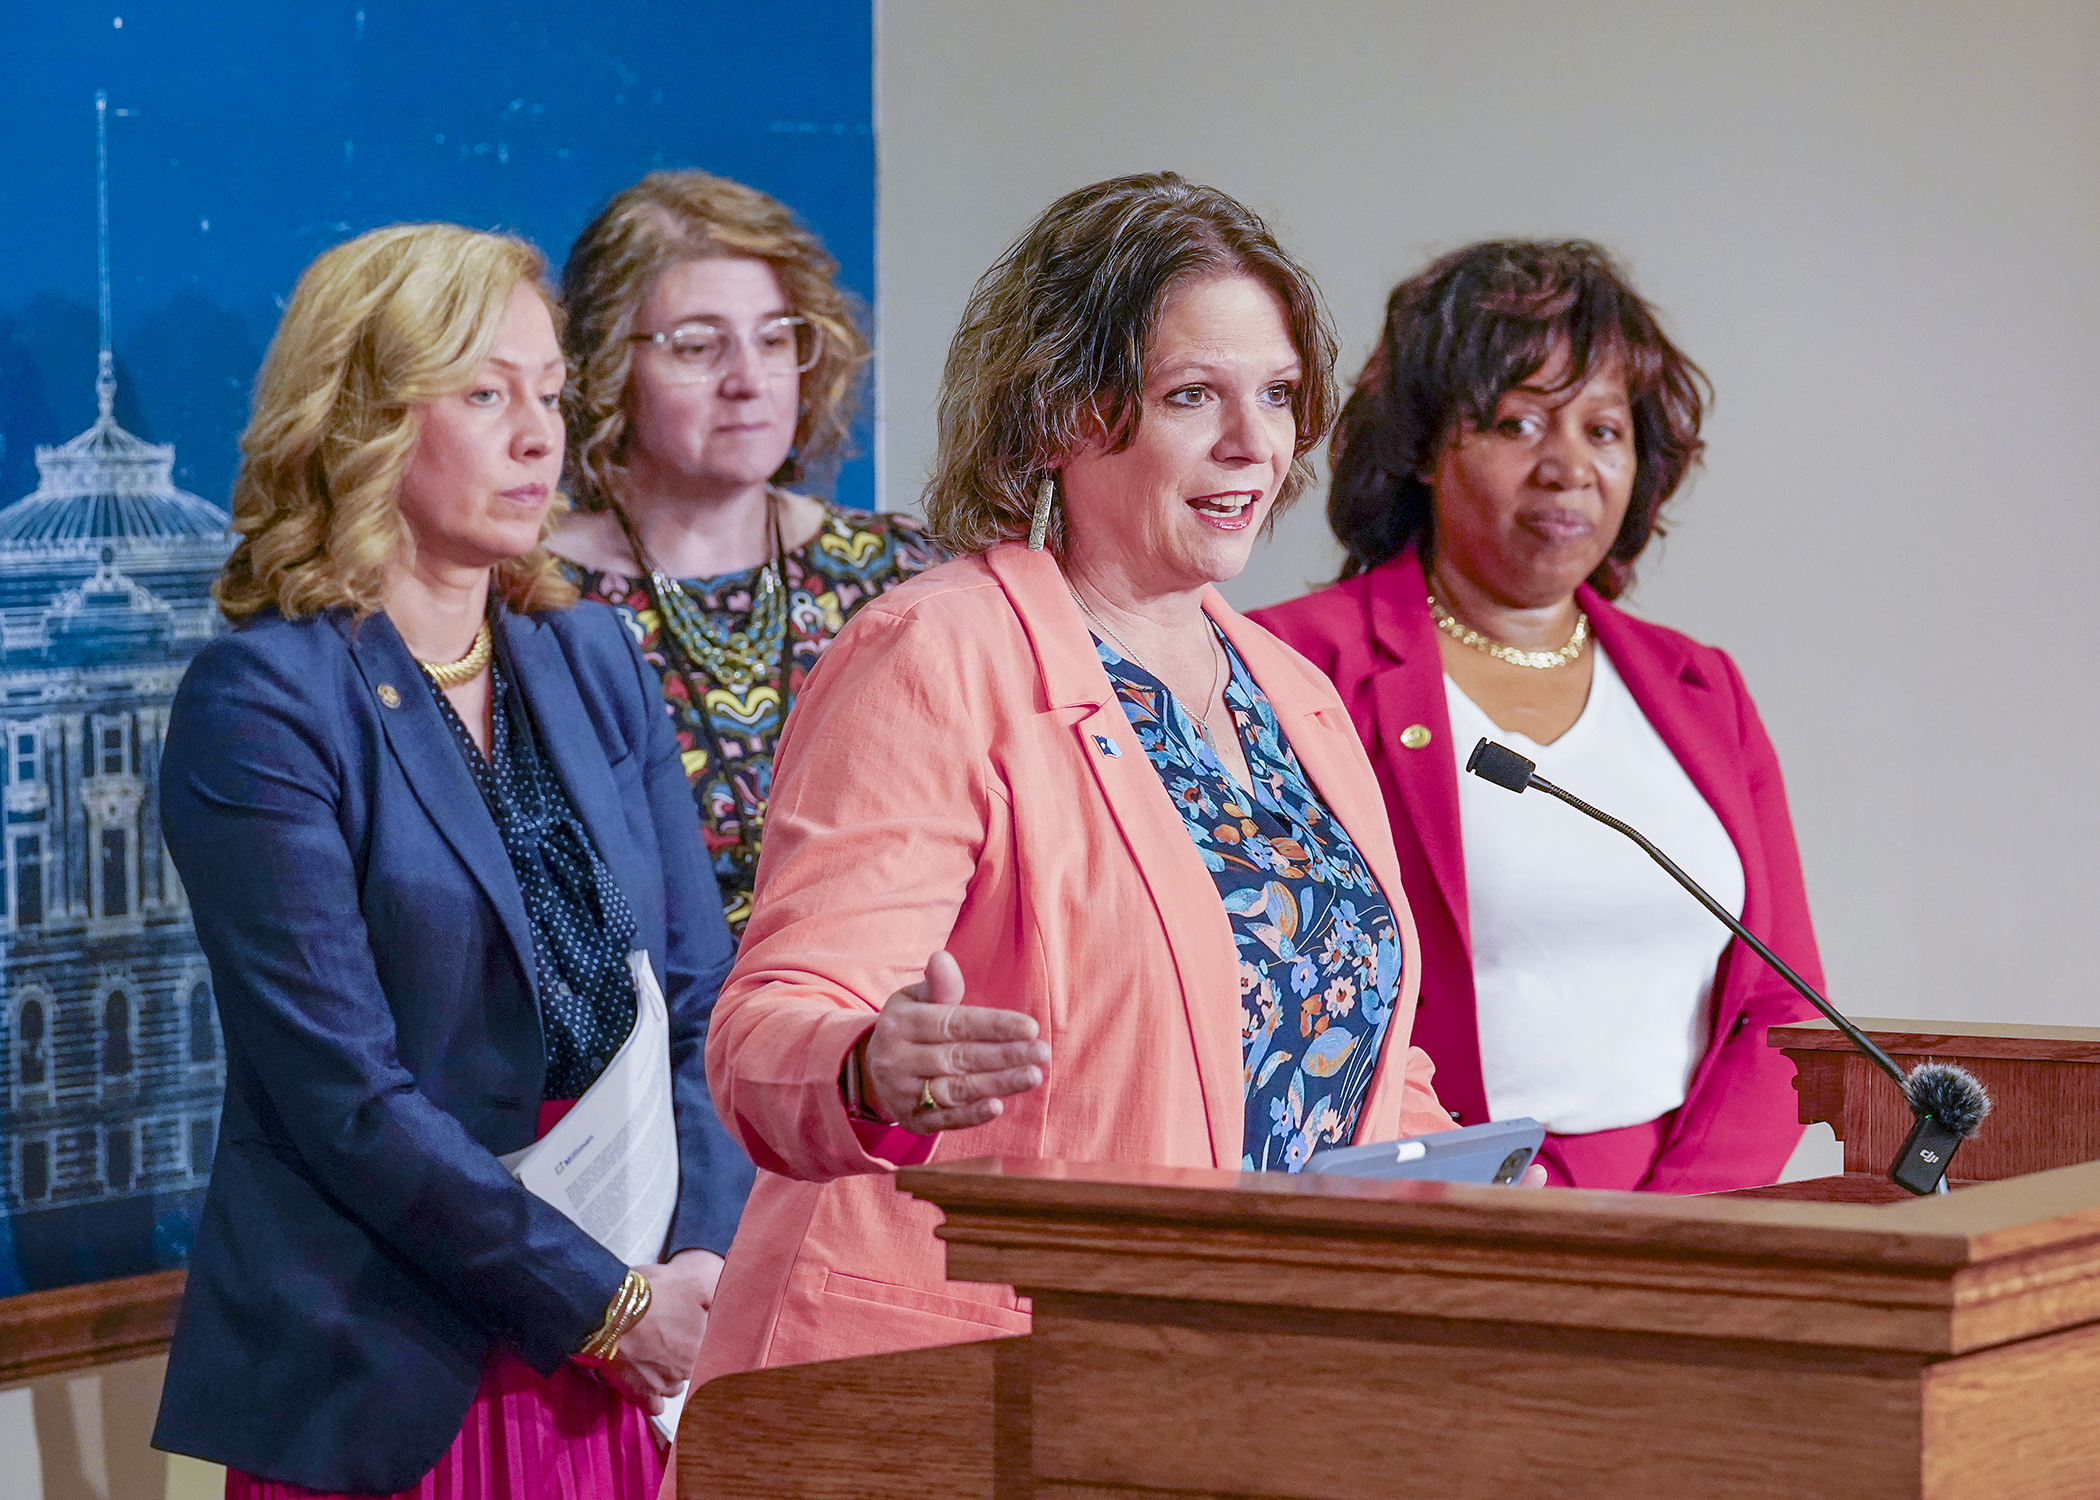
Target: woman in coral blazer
[975,767]
[1516,433]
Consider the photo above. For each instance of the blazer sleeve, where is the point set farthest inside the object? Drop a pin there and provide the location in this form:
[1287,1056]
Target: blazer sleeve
[882,803]
[1743,1121]
[260,816]
[1421,1112]
[714,1174]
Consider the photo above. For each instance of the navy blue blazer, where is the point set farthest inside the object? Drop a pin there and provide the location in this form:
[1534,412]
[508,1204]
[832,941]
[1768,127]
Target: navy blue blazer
[361,1248]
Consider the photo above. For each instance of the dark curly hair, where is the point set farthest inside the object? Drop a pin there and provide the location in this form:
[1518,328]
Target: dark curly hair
[1473,326]
[1053,342]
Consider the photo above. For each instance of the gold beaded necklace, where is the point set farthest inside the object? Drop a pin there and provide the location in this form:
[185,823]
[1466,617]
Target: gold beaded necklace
[1516,656]
[734,658]
[452,674]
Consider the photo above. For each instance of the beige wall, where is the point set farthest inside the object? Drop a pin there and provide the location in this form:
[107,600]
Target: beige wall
[1876,225]
[86,1436]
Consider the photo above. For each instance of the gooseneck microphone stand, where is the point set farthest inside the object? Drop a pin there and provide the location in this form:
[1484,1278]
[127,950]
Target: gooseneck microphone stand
[1922,1166]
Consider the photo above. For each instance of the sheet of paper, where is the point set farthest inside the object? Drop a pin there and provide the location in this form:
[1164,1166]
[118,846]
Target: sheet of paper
[611,1163]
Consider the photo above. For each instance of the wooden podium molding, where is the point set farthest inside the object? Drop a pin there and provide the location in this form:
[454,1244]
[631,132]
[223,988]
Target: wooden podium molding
[1204,1334]
[2044,1082]
[101,1322]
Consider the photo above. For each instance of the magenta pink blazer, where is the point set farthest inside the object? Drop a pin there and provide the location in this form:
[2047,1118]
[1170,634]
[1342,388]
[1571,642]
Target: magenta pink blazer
[1373,637]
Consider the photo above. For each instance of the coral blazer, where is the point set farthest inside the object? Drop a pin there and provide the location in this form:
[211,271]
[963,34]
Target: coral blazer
[958,773]
[1374,637]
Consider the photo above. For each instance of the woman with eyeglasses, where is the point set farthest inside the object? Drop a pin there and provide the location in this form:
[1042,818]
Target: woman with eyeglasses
[714,360]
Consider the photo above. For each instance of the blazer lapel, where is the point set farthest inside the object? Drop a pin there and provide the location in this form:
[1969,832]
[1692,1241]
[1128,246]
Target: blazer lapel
[1332,756]
[430,760]
[1199,935]
[569,740]
[1410,693]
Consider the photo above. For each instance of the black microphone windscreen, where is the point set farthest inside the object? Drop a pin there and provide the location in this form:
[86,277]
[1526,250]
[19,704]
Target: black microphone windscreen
[1501,765]
[1950,1095]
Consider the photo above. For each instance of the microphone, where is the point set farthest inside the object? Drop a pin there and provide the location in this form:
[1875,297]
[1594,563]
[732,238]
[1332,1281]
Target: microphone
[1948,1101]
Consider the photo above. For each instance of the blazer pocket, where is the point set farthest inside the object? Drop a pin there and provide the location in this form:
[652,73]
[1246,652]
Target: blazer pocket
[931,1309]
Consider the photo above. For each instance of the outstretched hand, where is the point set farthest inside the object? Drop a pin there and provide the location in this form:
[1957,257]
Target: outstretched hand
[965,1059]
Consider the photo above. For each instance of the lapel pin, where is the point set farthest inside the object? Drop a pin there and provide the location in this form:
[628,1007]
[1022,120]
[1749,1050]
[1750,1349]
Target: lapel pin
[388,696]
[1415,736]
[1107,747]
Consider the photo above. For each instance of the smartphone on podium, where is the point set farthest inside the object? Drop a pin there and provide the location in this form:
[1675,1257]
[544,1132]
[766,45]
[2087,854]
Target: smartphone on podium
[1497,1152]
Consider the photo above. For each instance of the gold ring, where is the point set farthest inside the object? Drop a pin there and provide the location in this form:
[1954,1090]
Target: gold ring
[926,1099]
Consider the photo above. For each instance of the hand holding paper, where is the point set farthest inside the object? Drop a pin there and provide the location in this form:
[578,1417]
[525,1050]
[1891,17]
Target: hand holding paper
[657,1354]
[611,1165]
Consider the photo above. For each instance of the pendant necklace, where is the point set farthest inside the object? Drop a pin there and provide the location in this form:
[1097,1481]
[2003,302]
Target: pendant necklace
[1203,731]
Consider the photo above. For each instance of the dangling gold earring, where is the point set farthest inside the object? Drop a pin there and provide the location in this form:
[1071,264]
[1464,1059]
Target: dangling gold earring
[1039,524]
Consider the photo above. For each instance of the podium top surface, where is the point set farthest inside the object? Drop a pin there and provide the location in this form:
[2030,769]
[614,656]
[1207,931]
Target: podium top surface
[1934,1276]
[1978,1224]
[1950,1038]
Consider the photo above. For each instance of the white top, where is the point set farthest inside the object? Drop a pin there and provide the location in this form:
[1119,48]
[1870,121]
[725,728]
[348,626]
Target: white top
[1592,969]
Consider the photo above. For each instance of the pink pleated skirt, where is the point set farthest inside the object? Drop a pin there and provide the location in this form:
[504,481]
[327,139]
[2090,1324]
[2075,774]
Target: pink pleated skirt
[567,1437]
[572,1437]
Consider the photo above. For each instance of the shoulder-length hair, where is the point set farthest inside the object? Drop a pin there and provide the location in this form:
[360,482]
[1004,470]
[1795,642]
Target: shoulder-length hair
[663,220]
[1051,350]
[376,327]
[1459,336]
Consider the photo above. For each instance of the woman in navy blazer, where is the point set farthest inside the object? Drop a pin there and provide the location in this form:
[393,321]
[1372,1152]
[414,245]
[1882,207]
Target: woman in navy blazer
[1507,450]
[404,962]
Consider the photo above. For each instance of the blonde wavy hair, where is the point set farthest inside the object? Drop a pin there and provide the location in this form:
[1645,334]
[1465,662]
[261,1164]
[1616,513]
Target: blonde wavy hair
[1051,351]
[664,220]
[376,327]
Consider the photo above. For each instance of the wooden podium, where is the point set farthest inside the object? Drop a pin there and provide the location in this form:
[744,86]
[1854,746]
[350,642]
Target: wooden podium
[2044,1081]
[1218,1334]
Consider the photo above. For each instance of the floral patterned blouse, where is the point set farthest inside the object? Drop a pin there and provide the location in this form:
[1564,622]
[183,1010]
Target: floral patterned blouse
[1319,948]
[726,735]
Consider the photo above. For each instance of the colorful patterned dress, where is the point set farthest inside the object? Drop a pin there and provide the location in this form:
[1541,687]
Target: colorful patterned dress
[726,735]
[1319,948]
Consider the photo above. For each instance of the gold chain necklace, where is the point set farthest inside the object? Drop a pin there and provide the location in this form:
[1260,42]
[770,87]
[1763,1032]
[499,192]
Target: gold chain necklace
[452,674]
[1216,674]
[1516,656]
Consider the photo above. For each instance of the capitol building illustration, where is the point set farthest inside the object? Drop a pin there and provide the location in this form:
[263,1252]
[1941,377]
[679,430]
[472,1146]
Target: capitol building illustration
[113,1070]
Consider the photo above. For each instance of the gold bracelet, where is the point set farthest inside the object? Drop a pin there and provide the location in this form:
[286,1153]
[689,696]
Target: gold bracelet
[621,1314]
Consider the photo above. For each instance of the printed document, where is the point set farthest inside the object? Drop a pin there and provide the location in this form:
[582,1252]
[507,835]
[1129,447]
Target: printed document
[611,1163]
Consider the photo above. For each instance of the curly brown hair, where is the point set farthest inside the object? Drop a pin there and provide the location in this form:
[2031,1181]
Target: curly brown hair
[1459,336]
[1051,350]
[376,327]
[663,220]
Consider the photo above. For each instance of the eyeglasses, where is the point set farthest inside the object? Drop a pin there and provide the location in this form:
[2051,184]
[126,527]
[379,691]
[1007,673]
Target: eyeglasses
[700,352]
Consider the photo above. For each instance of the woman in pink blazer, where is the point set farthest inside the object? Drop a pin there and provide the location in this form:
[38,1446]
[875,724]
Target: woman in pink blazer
[1128,827]
[1497,472]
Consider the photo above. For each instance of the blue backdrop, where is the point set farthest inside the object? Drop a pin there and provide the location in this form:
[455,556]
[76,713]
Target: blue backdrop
[245,138]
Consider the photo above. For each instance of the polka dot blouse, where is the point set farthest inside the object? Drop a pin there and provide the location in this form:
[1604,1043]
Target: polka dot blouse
[582,928]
